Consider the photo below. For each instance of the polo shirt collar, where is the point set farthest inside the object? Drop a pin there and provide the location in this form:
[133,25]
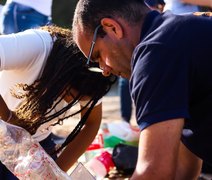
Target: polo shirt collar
[148,21]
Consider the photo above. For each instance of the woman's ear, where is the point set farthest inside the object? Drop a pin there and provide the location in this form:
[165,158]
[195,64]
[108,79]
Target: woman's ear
[112,27]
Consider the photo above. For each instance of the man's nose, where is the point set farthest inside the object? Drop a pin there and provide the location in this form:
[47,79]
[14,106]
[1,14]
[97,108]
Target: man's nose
[106,71]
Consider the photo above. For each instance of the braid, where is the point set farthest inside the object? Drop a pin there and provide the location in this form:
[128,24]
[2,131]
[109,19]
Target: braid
[64,71]
[77,129]
[98,94]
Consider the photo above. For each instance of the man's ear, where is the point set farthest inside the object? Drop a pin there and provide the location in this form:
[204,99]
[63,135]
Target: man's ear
[112,27]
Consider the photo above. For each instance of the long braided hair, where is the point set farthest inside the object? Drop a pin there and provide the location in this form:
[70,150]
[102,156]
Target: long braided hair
[64,71]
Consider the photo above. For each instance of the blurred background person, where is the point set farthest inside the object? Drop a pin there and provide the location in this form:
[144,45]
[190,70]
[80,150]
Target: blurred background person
[156,4]
[19,15]
[177,7]
[125,99]
[206,5]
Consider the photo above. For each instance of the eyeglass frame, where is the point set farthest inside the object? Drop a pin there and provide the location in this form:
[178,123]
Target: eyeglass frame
[92,45]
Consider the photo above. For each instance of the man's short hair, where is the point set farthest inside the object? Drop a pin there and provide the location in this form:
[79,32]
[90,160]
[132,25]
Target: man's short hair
[88,13]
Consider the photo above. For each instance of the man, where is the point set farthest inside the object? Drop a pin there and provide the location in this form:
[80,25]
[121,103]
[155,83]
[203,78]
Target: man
[168,61]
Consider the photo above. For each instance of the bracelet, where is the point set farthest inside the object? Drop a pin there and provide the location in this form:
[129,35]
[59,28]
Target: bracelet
[10,116]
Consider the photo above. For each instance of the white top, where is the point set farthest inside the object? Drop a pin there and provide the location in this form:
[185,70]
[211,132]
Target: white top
[22,60]
[178,8]
[42,6]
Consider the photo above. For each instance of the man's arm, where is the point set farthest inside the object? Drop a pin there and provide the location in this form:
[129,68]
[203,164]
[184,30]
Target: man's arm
[79,145]
[158,150]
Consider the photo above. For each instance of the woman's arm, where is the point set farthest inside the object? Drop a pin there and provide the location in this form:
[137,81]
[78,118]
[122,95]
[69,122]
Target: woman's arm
[79,145]
[206,3]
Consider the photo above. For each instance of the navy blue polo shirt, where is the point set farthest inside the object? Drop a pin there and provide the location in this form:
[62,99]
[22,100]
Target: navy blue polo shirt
[172,76]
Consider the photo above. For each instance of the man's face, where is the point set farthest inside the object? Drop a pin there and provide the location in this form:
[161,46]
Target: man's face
[108,51]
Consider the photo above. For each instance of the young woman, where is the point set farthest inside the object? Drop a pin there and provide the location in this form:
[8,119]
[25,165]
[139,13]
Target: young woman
[39,69]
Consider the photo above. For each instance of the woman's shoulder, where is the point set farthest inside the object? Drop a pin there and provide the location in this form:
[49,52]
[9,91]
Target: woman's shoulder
[37,32]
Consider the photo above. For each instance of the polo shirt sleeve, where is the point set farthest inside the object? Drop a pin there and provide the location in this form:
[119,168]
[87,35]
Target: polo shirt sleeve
[18,51]
[159,84]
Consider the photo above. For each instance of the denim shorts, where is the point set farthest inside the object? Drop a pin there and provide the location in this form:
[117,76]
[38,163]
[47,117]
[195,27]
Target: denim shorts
[16,17]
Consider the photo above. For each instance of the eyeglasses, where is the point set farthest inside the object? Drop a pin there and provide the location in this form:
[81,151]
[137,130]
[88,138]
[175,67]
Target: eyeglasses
[94,69]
